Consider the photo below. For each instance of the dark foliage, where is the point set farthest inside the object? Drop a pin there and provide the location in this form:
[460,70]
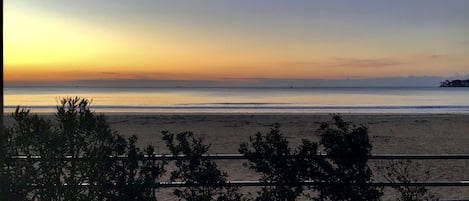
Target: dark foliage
[205,179]
[407,172]
[344,176]
[85,141]
[132,178]
[271,156]
[80,148]
[346,170]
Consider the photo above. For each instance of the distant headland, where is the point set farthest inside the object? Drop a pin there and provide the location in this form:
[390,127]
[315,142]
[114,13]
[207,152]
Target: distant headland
[455,83]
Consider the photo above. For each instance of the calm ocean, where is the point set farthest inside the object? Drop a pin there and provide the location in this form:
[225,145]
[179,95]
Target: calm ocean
[248,100]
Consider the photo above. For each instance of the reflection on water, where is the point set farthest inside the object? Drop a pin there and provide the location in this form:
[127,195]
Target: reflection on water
[247,99]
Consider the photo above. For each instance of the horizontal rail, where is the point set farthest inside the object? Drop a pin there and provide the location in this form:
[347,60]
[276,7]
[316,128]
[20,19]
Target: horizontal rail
[303,183]
[265,183]
[241,156]
[310,183]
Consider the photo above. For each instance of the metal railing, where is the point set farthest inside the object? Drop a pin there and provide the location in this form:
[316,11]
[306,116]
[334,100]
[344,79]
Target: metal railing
[157,157]
[160,157]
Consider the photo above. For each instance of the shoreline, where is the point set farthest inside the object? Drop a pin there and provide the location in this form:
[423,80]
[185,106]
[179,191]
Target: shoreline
[466,113]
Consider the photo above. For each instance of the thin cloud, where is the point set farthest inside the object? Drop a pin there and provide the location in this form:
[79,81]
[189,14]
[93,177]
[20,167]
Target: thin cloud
[111,73]
[366,63]
[146,75]
[298,63]
[347,62]
[435,56]
[431,56]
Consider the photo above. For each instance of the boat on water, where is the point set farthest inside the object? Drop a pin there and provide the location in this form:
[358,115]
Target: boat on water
[455,83]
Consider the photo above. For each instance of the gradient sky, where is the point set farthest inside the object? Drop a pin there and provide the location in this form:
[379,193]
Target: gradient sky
[57,40]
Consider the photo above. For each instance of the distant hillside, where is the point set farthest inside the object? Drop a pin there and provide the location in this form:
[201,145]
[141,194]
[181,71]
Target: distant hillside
[411,81]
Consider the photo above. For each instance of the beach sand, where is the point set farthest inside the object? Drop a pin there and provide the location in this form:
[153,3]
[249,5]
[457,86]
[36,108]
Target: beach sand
[423,133]
[389,133]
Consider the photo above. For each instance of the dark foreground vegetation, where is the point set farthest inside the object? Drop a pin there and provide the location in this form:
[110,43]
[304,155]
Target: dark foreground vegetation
[80,158]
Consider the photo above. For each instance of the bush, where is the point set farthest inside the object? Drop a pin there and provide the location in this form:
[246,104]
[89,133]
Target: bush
[80,148]
[86,141]
[271,156]
[344,176]
[404,171]
[132,178]
[206,182]
[346,171]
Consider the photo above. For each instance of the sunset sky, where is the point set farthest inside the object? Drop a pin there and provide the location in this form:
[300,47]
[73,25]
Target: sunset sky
[57,40]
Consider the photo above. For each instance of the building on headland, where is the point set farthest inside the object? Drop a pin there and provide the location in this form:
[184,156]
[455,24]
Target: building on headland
[455,83]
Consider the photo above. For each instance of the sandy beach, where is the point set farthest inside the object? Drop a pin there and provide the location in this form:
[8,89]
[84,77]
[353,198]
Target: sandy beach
[395,133]
[389,133]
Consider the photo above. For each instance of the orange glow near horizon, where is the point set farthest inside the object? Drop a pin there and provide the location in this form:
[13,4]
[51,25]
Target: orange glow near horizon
[43,46]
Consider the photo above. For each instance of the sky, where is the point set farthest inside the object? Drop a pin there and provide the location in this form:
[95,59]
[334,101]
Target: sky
[56,40]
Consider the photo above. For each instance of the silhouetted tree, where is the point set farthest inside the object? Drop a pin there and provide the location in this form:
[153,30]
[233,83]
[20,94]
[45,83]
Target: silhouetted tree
[72,151]
[205,180]
[270,155]
[404,171]
[132,178]
[32,136]
[346,171]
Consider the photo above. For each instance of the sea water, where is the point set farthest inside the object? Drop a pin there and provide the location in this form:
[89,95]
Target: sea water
[247,99]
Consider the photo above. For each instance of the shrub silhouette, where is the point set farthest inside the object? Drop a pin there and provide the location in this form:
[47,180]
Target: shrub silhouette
[32,136]
[407,172]
[80,148]
[346,171]
[133,178]
[206,182]
[344,176]
[4,177]
[270,155]
[88,142]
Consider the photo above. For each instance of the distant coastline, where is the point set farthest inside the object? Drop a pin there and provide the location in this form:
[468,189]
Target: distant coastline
[407,81]
[455,83]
